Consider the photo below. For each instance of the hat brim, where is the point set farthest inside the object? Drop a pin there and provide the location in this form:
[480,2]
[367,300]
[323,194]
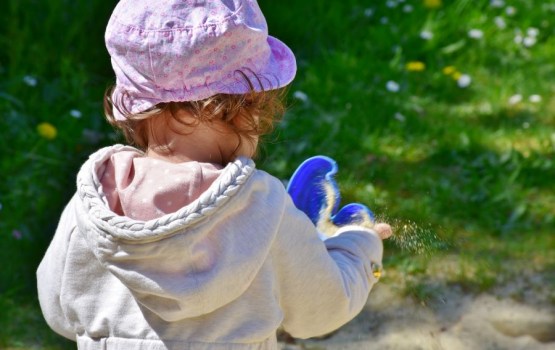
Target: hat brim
[281,66]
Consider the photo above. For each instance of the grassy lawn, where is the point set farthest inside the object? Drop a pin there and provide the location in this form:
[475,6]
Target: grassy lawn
[441,120]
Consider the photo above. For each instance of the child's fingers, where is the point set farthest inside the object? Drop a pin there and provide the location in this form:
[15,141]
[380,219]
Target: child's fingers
[383,230]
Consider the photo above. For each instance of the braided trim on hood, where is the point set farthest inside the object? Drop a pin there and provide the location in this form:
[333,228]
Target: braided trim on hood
[115,227]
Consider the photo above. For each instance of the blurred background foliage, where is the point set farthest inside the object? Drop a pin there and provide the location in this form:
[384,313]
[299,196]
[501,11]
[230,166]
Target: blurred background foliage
[439,113]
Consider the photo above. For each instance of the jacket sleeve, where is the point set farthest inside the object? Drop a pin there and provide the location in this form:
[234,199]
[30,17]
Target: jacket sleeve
[322,285]
[50,274]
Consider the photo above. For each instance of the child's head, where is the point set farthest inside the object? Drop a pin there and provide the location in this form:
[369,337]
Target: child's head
[210,60]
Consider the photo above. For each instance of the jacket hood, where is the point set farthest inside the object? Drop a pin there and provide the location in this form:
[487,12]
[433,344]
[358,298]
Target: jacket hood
[187,263]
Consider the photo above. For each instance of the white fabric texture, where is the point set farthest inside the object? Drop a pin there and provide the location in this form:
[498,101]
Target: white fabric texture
[223,272]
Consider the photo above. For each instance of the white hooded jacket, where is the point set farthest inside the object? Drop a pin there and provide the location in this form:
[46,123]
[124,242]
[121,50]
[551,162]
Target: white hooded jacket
[223,272]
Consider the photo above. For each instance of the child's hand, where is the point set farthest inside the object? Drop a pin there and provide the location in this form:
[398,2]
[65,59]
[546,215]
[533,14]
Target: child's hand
[383,230]
[315,192]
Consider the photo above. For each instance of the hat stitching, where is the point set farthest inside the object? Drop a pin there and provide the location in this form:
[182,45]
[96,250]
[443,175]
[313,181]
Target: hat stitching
[228,18]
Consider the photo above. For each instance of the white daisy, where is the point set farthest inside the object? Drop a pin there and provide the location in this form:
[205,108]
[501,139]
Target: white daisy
[30,80]
[535,98]
[392,86]
[426,35]
[476,34]
[398,116]
[391,3]
[75,113]
[515,99]
[464,81]
[369,12]
[529,41]
[500,22]
[301,96]
[533,32]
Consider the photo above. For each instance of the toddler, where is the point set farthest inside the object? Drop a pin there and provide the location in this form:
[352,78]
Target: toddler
[181,243]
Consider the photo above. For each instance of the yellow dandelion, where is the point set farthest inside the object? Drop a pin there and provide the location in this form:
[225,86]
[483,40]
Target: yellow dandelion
[456,75]
[432,4]
[449,70]
[47,130]
[415,66]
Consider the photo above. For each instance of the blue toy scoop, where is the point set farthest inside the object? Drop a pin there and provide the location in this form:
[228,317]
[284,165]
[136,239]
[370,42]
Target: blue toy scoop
[315,192]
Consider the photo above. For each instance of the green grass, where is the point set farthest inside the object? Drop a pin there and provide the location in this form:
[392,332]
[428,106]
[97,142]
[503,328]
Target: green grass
[469,172]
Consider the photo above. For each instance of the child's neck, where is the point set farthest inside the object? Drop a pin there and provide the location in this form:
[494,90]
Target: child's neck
[206,142]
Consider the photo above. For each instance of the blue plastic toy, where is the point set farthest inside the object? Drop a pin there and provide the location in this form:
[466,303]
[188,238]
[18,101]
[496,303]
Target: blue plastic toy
[315,192]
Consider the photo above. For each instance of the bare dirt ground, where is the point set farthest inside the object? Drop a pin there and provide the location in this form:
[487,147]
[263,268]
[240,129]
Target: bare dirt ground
[517,315]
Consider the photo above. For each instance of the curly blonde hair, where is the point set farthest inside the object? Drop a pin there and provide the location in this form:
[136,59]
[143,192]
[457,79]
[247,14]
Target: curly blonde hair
[249,115]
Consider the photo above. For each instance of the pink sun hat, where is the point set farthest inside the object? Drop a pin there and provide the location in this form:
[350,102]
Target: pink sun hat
[189,50]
